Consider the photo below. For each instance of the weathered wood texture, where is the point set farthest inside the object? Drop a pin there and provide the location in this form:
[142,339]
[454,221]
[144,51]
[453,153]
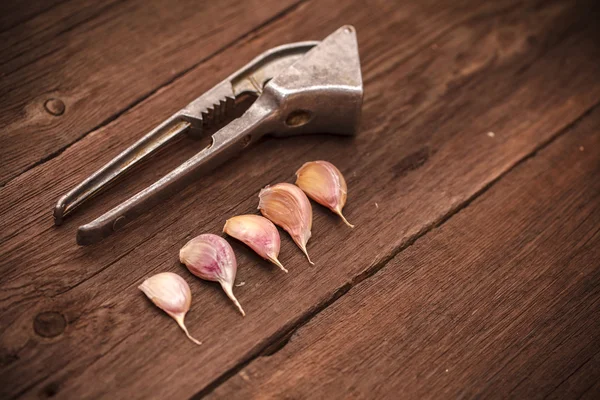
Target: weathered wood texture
[501,300]
[17,13]
[438,77]
[101,58]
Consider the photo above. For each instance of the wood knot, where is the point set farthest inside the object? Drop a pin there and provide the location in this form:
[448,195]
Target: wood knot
[49,324]
[411,162]
[55,107]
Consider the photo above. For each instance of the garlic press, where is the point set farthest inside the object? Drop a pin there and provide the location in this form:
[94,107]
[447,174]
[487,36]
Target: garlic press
[300,88]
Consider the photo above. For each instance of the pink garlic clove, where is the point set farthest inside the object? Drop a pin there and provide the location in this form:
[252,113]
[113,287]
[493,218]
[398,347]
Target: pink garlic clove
[287,206]
[211,258]
[170,293]
[258,233]
[325,184]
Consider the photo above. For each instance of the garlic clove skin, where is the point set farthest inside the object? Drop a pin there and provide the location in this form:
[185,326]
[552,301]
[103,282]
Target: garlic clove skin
[211,258]
[258,233]
[286,205]
[171,293]
[325,184]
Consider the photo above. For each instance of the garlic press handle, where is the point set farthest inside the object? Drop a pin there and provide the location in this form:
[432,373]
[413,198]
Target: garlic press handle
[226,143]
[314,88]
[99,181]
[212,108]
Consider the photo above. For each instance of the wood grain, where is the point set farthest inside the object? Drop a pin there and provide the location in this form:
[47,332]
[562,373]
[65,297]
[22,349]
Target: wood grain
[15,13]
[111,57]
[503,300]
[452,73]
[44,33]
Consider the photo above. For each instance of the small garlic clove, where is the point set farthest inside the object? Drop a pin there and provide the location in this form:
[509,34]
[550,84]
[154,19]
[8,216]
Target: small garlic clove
[170,293]
[258,233]
[287,206]
[325,184]
[210,257]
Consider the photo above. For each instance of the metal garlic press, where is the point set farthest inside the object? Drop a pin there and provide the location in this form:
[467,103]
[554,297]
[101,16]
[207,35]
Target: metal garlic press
[300,88]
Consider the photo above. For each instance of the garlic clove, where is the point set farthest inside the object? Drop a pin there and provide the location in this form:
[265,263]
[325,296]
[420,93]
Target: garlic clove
[325,184]
[211,258]
[287,206]
[258,233]
[171,293]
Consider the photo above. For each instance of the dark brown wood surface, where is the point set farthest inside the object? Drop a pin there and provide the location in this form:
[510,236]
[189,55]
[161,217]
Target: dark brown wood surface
[502,298]
[462,99]
[102,58]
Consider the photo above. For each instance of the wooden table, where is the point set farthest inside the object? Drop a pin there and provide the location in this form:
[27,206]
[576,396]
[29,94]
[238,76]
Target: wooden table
[474,184]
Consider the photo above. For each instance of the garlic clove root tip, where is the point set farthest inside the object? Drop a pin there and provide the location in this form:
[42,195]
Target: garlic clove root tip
[276,262]
[228,290]
[307,256]
[239,306]
[181,324]
[345,220]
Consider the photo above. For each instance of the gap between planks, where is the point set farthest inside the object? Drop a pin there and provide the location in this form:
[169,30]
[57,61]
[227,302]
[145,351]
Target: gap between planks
[152,92]
[279,340]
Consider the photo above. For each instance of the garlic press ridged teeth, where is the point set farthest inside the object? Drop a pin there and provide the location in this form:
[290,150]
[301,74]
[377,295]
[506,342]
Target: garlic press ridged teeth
[299,88]
[217,113]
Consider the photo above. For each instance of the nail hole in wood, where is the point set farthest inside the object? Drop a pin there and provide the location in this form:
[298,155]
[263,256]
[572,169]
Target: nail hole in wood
[55,107]
[49,324]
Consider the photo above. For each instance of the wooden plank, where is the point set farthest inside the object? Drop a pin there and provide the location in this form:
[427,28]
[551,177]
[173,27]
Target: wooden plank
[14,13]
[98,69]
[503,300]
[469,67]
[40,35]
